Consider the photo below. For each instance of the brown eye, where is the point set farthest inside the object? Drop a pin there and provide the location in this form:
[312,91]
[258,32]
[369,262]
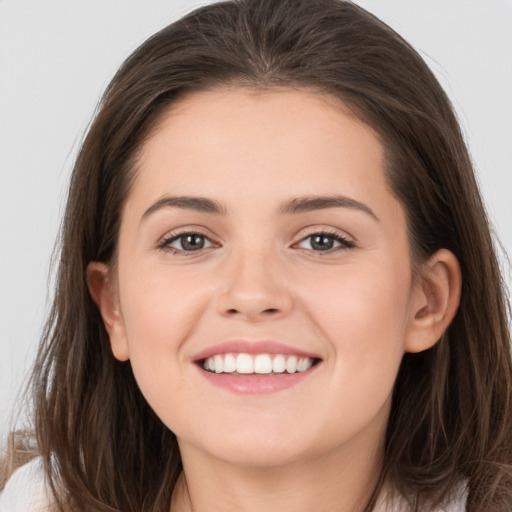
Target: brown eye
[192,242]
[325,242]
[188,242]
[322,242]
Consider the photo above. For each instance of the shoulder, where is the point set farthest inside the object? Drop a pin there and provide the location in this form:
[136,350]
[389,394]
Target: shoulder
[26,490]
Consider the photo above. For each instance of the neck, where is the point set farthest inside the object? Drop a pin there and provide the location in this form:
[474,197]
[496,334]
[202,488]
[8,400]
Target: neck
[339,481]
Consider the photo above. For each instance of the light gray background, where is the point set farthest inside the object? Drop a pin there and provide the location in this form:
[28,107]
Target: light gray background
[57,56]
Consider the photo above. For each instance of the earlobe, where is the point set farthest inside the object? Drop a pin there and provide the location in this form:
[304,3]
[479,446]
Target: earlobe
[435,302]
[104,295]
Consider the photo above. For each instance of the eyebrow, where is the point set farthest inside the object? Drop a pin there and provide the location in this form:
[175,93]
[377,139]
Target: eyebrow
[199,204]
[312,203]
[293,207]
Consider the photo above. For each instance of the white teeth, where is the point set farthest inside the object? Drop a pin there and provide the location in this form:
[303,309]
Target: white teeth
[218,362]
[291,364]
[279,364]
[244,363]
[263,364]
[303,364]
[229,363]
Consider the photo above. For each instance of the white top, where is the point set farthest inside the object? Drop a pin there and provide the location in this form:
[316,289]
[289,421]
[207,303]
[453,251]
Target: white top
[26,491]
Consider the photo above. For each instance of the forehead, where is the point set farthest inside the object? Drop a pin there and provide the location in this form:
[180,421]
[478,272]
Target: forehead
[244,131]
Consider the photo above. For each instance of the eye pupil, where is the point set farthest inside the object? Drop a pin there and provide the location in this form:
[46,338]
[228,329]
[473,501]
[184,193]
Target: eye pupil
[322,242]
[192,242]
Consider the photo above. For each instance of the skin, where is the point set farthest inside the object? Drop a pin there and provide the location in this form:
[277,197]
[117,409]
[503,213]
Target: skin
[317,445]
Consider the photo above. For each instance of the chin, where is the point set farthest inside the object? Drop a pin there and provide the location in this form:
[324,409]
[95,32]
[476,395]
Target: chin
[250,448]
[257,456]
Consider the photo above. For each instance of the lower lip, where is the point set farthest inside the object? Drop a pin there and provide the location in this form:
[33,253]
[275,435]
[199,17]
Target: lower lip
[256,383]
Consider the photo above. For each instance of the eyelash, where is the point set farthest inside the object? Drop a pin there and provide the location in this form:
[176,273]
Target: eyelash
[172,237]
[345,243]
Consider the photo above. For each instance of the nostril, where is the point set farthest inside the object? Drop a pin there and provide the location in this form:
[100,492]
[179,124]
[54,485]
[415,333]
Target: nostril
[268,311]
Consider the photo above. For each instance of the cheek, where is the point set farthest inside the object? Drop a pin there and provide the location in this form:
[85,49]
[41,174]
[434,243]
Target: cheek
[155,299]
[158,318]
[160,312]
[364,302]
[363,316]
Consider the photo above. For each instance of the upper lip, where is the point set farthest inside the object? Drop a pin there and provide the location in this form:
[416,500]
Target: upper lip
[241,346]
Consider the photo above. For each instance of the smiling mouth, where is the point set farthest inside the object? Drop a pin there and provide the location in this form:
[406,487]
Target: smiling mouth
[257,364]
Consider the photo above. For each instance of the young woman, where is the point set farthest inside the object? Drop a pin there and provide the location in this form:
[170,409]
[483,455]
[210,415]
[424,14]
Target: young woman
[277,287]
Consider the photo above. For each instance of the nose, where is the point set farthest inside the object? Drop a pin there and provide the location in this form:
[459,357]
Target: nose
[254,288]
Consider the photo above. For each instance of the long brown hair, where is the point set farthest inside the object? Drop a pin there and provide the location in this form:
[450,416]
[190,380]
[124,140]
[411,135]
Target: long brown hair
[451,421]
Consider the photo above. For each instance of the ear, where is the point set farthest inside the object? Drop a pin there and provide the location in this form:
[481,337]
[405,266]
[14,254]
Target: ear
[104,294]
[436,297]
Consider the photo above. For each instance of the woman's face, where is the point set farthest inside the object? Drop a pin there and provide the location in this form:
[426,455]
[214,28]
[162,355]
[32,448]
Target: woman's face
[261,224]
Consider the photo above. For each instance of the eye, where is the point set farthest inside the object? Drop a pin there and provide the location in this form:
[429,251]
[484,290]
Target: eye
[325,242]
[186,242]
